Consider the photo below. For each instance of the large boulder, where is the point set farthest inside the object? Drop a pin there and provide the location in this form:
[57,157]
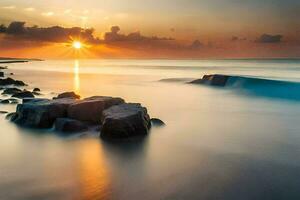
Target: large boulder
[23,94]
[91,109]
[41,113]
[67,95]
[67,125]
[125,121]
[215,80]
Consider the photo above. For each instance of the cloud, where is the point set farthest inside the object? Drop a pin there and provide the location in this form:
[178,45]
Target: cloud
[266,38]
[30,9]
[115,36]
[196,45]
[57,34]
[9,7]
[48,14]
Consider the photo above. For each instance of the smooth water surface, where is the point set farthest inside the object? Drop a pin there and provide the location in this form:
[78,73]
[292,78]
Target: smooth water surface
[219,143]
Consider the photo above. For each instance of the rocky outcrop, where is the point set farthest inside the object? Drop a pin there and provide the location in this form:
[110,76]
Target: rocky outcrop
[41,113]
[91,109]
[11,91]
[36,90]
[10,81]
[67,125]
[125,121]
[214,80]
[67,95]
[23,94]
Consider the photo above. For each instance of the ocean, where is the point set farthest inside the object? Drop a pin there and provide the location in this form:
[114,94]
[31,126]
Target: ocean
[241,141]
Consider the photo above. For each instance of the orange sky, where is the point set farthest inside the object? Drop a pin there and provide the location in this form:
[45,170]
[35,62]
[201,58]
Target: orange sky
[198,28]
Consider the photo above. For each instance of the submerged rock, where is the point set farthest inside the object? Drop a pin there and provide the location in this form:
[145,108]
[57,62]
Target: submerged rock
[10,81]
[69,125]
[157,122]
[67,95]
[124,121]
[11,91]
[23,94]
[215,80]
[91,109]
[41,113]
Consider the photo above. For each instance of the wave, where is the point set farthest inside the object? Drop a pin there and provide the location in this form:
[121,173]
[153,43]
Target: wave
[254,86]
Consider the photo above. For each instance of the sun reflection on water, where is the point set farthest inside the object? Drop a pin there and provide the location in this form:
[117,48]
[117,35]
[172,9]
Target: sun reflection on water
[76,77]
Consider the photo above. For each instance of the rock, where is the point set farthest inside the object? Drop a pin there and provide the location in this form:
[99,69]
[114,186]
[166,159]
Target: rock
[215,80]
[11,116]
[41,113]
[11,73]
[11,91]
[13,101]
[157,122]
[69,125]
[67,95]
[10,81]
[23,94]
[3,112]
[1,74]
[36,90]
[3,67]
[36,93]
[125,121]
[4,101]
[90,109]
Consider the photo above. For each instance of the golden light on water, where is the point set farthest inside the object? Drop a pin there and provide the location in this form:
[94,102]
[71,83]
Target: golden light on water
[76,77]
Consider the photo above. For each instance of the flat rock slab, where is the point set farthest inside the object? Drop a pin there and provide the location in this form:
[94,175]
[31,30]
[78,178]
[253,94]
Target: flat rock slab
[125,121]
[91,109]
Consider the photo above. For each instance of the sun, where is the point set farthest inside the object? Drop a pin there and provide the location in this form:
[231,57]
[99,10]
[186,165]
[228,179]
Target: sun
[77,45]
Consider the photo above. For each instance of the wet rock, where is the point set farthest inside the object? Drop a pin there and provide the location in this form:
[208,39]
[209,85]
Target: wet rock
[41,113]
[67,95]
[3,67]
[3,112]
[124,121]
[90,109]
[1,74]
[23,94]
[36,90]
[214,80]
[11,74]
[70,125]
[10,81]
[4,101]
[157,122]
[11,91]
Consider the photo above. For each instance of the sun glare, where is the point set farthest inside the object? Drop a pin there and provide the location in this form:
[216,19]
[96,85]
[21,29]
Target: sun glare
[77,45]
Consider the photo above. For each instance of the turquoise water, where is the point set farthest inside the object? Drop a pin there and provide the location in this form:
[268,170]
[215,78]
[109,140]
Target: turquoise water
[238,142]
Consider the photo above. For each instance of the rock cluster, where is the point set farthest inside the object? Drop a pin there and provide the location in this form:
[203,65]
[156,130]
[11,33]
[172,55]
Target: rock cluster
[117,119]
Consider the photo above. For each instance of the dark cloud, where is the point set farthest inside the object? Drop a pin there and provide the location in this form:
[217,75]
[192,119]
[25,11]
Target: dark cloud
[115,36]
[196,45]
[18,30]
[236,38]
[266,38]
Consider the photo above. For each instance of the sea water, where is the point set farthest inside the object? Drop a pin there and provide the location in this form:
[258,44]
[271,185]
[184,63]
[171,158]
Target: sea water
[241,141]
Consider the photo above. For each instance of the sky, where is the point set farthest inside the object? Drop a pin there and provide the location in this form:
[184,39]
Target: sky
[151,28]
